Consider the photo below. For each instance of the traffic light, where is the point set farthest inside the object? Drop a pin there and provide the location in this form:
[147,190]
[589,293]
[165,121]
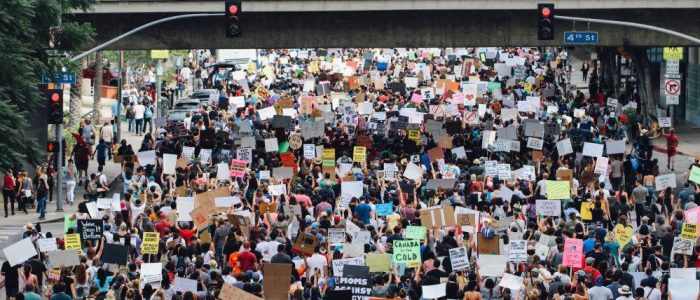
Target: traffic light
[51,147]
[233,19]
[545,22]
[55,106]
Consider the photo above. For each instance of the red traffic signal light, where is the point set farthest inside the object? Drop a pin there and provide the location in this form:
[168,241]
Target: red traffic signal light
[51,147]
[55,97]
[54,106]
[233,20]
[546,12]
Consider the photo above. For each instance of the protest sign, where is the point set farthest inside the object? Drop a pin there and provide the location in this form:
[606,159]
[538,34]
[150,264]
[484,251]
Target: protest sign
[169,162]
[557,189]
[623,234]
[535,143]
[276,280]
[385,209]
[564,147]
[438,216]
[305,244]
[90,230]
[492,265]
[592,149]
[378,262]
[359,154]
[150,243]
[694,175]
[683,246]
[503,171]
[614,147]
[517,251]
[665,181]
[548,207]
[601,165]
[336,236]
[47,245]
[72,241]
[683,273]
[21,251]
[511,282]
[434,291]
[406,251]
[459,259]
[356,280]
[184,285]
[114,254]
[66,258]
[151,272]
[689,231]
[185,205]
[339,264]
[415,232]
[683,289]
[229,292]
[573,253]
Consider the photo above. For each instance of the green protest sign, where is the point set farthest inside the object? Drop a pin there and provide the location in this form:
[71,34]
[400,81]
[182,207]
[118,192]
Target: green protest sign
[558,189]
[406,251]
[415,232]
[694,175]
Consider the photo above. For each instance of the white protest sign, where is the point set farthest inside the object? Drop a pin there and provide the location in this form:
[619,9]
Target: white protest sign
[535,143]
[564,147]
[437,291]
[147,157]
[665,181]
[169,162]
[548,207]
[151,272]
[517,251]
[185,205]
[504,171]
[47,245]
[615,147]
[491,168]
[277,189]
[512,282]
[601,165]
[665,122]
[459,259]
[683,289]
[309,151]
[592,149]
[413,172]
[20,252]
[184,285]
[226,201]
[338,264]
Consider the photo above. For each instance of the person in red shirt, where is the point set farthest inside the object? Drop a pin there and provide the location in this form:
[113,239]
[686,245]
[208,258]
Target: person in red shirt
[8,190]
[671,146]
[186,233]
[163,225]
[246,259]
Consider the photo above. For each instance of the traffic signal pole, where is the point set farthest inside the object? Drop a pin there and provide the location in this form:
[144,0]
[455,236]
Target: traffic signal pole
[630,24]
[59,167]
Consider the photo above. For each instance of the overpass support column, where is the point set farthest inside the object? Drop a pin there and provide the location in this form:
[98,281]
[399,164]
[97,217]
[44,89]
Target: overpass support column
[692,86]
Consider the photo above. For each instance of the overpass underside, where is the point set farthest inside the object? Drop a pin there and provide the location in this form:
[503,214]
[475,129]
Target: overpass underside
[409,28]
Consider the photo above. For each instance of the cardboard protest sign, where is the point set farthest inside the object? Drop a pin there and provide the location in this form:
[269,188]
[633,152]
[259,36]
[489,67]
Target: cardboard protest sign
[276,280]
[459,259]
[438,217]
[548,207]
[150,243]
[72,241]
[114,254]
[90,230]
[305,244]
[20,252]
[488,246]
[573,253]
[339,264]
[406,251]
[229,292]
[466,219]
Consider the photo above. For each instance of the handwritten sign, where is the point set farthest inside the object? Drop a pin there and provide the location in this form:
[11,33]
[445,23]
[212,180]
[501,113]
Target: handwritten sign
[573,253]
[72,241]
[415,232]
[623,234]
[150,243]
[407,251]
[385,209]
[548,207]
[517,251]
[689,231]
[558,189]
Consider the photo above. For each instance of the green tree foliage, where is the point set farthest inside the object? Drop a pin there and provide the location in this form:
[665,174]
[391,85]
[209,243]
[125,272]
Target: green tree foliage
[26,26]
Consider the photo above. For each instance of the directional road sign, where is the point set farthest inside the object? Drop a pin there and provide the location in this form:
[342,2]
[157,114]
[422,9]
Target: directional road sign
[580,37]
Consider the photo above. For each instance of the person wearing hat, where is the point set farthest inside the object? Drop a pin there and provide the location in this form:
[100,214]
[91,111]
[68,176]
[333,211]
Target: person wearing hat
[625,293]
[600,291]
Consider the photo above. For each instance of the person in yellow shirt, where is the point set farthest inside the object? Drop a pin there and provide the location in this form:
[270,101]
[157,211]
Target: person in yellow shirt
[393,220]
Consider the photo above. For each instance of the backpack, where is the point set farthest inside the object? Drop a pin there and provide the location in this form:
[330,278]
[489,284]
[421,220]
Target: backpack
[148,112]
[180,267]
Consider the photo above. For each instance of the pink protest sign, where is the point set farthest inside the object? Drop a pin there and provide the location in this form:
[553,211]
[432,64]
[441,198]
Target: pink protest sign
[573,253]
[417,98]
[238,168]
[691,216]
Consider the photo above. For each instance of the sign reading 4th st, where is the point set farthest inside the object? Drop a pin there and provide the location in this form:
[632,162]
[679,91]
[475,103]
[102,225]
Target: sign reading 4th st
[580,37]
[60,78]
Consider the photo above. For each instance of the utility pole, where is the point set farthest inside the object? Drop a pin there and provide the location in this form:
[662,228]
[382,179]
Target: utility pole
[119,97]
[59,160]
[159,72]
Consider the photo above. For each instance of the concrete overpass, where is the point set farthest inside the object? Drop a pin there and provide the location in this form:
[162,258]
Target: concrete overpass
[386,23]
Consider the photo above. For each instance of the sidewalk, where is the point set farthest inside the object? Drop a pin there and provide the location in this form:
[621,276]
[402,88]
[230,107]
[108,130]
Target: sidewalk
[688,144]
[111,169]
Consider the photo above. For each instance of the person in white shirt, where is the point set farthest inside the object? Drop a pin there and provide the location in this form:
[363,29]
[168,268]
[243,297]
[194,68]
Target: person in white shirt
[317,262]
[139,112]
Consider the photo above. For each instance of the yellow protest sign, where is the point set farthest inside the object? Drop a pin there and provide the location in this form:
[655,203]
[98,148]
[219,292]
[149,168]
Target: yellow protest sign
[558,189]
[414,135]
[623,234]
[690,231]
[328,156]
[378,262]
[586,213]
[528,87]
[313,67]
[673,53]
[269,73]
[359,154]
[159,54]
[72,241]
[251,68]
[150,243]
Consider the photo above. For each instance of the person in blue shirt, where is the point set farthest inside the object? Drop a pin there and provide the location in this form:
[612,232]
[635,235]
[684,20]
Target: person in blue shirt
[101,152]
[362,211]
[589,243]
[59,292]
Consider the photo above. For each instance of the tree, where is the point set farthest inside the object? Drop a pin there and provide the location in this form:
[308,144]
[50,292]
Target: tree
[27,27]
[97,94]
[642,67]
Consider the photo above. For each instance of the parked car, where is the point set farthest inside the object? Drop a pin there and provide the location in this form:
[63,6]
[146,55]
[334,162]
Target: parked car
[207,97]
[182,107]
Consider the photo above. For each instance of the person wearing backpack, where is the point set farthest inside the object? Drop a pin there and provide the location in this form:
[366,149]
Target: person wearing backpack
[148,117]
